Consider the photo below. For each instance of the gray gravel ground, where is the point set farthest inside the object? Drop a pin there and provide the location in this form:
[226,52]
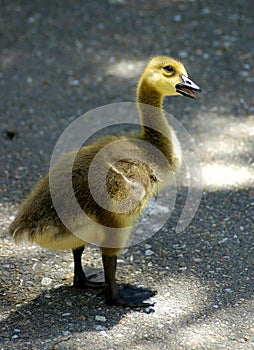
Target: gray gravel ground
[62,58]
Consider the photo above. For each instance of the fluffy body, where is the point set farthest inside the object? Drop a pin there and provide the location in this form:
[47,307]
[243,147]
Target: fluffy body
[124,178]
[130,184]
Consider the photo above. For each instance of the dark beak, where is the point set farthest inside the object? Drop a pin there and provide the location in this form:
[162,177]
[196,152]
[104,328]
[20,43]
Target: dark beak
[187,87]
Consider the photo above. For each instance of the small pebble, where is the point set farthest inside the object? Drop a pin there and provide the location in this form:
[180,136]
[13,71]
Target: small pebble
[148,310]
[179,246]
[182,268]
[74,82]
[31,20]
[223,240]
[116,2]
[66,333]
[46,281]
[100,328]
[197,259]
[149,252]
[78,44]
[100,318]
[244,73]
[183,54]
[205,11]
[177,18]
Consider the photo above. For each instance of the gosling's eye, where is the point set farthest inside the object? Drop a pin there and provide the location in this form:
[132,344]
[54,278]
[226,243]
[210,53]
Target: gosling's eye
[169,69]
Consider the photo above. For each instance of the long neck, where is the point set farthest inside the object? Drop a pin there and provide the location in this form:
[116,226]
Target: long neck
[154,126]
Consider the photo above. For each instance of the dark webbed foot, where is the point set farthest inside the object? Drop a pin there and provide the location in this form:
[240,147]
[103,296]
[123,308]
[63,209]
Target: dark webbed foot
[128,296]
[94,281]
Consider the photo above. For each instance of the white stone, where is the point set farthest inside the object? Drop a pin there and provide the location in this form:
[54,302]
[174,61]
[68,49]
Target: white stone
[74,82]
[66,333]
[177,18]
[100,318]
[46,281]
[183,54]
[100,328]
[149,252]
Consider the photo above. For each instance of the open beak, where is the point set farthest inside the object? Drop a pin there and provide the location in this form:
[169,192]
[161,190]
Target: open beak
[187,87]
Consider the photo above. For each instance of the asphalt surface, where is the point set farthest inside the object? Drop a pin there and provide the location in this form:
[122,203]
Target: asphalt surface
[60,59]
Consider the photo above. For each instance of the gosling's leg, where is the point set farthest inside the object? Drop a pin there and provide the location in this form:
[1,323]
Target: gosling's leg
[111,288]
[81,281]
[126,296]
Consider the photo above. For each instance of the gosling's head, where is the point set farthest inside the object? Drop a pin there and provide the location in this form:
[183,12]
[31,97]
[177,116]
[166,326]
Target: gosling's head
[169,77]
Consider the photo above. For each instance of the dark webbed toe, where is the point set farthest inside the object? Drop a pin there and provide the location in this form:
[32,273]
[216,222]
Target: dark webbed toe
[132,297]
[94,281]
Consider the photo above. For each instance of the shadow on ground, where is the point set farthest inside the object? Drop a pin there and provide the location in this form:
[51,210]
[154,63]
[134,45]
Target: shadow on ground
[208,268]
